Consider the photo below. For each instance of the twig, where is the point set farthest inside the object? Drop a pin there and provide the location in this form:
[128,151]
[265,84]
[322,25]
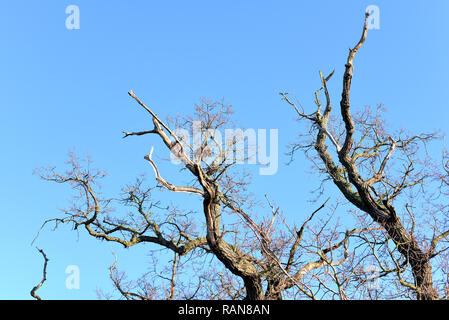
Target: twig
[33,291]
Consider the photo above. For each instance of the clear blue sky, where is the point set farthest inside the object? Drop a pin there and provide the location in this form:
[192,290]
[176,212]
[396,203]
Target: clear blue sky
[62,89]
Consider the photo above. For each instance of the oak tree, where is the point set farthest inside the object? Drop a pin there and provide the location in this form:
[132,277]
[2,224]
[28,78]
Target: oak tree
[235,248]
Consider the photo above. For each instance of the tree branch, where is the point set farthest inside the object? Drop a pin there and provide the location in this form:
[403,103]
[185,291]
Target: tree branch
[44,276]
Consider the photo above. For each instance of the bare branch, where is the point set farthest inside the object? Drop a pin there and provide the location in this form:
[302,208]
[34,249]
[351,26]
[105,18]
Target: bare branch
[44,276]
[168,185]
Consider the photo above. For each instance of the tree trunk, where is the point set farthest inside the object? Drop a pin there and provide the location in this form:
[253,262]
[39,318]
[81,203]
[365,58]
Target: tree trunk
[273,291]
[233,259]
[419,261]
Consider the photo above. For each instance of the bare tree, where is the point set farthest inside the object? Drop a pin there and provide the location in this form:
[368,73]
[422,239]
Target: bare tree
[231,246]
[381,174]
[250,257]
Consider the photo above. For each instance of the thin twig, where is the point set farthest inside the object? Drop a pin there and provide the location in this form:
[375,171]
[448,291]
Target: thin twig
[33,291]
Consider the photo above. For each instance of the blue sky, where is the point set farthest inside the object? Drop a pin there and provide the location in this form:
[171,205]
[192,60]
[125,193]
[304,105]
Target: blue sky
[66,89]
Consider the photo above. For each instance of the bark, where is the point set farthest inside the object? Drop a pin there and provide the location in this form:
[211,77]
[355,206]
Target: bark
[233,259]
[273,291]
[418,260]
[358,191]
